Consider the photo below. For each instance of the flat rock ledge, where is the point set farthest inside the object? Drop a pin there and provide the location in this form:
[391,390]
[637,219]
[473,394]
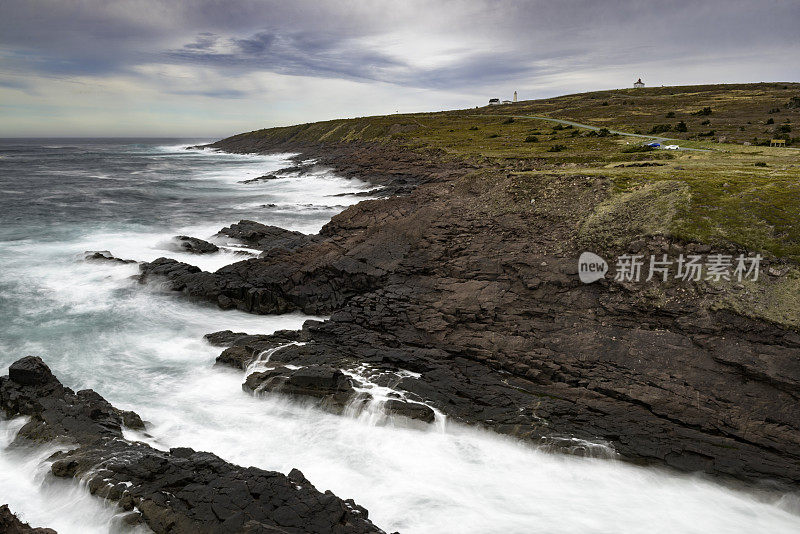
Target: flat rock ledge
[181,491]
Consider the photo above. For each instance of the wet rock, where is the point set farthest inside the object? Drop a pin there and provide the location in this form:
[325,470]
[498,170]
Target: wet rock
[411,410]
[30,371]
[223,338]
[103,255]
[11,524]
[236,357]
[264,237]
[264,178]
[195,245]
[179,491]
[131,420]
[326,383]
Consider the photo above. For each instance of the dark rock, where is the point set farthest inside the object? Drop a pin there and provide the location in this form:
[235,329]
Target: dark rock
[10,524]
[30,371]
[131,420]
[195,245]
[223,338]
[236,357]
[103,255]
[411,410]
[264,237]
[177,492]
[264,178]
[326,383]
[483,304]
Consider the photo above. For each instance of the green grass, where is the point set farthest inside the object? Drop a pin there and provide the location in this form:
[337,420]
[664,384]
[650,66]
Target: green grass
[745,195]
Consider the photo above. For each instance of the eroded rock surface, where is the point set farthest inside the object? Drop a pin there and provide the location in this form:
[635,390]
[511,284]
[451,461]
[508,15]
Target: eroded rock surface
[264,237]
[324,383]
[482,300]
[179,491]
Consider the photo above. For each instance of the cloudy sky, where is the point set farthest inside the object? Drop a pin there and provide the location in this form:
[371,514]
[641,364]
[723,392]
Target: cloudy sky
[216,67]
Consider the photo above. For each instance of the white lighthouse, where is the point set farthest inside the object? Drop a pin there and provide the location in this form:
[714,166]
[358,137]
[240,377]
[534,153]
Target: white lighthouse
[515,96]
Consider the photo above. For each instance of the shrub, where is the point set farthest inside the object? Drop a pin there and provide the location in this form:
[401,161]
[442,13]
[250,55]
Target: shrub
[604,103]
[705,111]
[556,148]
[671,115]
[660,128]
[603,132]
[770,121]
[709,133]
[473,127]
[492,136]
[681,127]
[509,120]
[784,128]
[774,110]
[637,148]
[531,139]
[794,102]
[760,163]
[705,122]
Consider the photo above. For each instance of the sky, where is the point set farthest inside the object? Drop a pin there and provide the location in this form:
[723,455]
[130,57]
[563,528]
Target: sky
[212,68]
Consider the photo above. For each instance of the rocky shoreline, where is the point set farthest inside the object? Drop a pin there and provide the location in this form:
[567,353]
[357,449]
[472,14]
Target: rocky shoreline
[477,311]
[175,491]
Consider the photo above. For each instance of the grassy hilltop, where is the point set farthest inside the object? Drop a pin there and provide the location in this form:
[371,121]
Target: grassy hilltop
[726,193]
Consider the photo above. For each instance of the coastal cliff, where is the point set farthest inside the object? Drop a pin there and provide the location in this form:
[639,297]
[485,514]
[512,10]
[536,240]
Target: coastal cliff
[462,282]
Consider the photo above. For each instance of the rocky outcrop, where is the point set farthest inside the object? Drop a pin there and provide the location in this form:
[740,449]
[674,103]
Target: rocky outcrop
[412,410]
[11,524]
[243,348]
[194,245]
[264,237]
[103,256]
[323,383]
[477,294]
[263,178]
[179,491]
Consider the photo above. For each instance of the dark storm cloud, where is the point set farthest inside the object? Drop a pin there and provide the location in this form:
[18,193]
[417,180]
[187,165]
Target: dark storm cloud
[497,40]
[297,53]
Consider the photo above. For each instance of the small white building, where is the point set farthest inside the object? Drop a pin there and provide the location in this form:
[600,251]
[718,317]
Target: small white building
[638,83]
[507,102]
[494,101]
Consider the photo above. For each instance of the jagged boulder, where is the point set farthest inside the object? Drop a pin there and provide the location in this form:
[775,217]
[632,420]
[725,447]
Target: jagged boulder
[194,245]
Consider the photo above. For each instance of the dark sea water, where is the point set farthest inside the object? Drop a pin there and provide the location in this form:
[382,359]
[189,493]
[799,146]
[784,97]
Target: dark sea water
[143,350]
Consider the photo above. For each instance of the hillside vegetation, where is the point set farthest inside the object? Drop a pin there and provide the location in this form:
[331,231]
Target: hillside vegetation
[724,193]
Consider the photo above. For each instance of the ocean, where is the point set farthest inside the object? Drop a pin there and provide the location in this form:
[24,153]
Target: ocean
[142,349]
